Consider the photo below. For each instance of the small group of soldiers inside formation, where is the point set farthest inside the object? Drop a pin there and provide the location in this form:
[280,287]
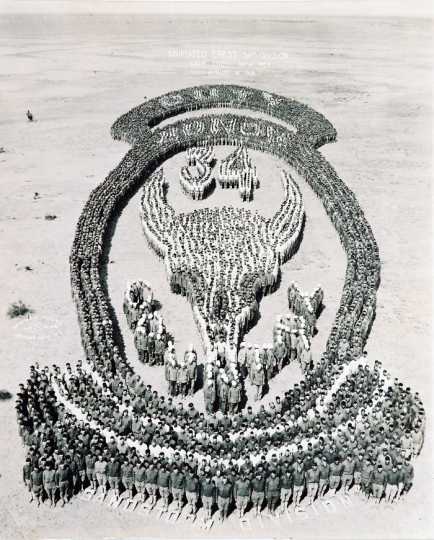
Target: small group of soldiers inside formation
[226,368]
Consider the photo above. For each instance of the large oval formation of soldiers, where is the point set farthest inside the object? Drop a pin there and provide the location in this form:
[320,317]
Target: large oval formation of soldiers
[101,432]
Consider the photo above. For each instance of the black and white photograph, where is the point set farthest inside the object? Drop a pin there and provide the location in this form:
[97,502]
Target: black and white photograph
[216,272]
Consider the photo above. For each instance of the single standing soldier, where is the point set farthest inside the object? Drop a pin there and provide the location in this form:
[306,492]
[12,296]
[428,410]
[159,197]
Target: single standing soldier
[286,483]
[258,379]
[151,483]
[177,483]
[114,475]
[258,492]
[163,482]
[234,397]
[139,480]
[90,460]
[408,471]
[272,491]
[127,475]
[151,348]
[160,347]
[192,489]
[172,373]
[392,481]
[348,468]
[336,468]
[182,378]
[224,497]
[366,477]
[49,483]
[209,394]
[27,471]
[208,494]
[312,481]
[141,344]
[63,479]
[101,473]
[280,353]
[37,483]
[324,474]
[191,369]
[223,392]
[378,481]
[299,477]
[242,360]
[242,493]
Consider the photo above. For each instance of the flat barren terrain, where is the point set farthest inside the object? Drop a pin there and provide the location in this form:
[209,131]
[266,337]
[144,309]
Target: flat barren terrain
[370,77]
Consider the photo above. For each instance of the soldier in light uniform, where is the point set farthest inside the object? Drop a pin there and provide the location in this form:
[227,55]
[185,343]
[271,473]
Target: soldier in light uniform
[141,344]
[258,379]
[234,397]
[182,378]
[49,483]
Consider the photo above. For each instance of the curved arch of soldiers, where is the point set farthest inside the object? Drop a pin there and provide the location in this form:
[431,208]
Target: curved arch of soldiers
[342,365]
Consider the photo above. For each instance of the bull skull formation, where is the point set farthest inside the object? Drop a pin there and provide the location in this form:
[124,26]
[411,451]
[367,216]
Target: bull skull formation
[238,257]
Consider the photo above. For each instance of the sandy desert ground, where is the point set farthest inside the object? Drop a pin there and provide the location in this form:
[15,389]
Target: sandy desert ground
[370,77]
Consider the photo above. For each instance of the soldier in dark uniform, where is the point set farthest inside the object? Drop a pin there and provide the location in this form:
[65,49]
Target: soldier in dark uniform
[49,483]
[177,483]
[209,393]
[258,492]
[192,489]
[272,491]
[242,494]
[208,494]
[223,392]
[286,486]
[378,482]
[127,475]
[63,479]
[224,497]
[163,483]
[160,347]
[234,397]
[37,483]
[27,471]
[151,482]
[140,479]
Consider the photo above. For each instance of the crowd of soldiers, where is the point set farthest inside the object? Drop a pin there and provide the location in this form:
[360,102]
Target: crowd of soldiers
[222,259]
[353,423]
[237,171]
[153,343]
[310,124]
[278,455]
[147,324]
[198,187]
